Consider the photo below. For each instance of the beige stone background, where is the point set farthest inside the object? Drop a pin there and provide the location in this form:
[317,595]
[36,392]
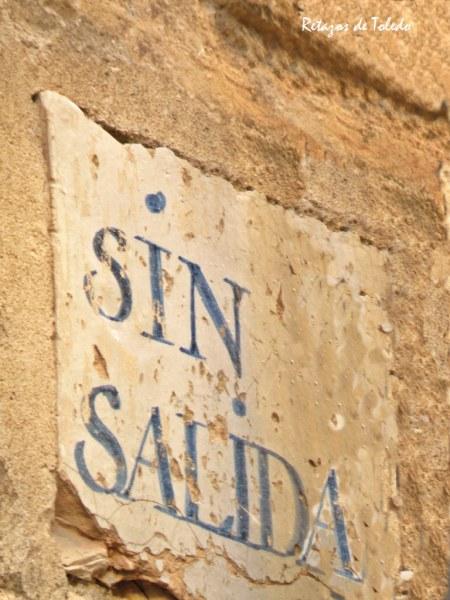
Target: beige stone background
[352,130]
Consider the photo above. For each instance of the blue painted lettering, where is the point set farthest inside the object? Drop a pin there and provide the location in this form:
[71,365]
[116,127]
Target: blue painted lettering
[165,481]
[122,279]
[264,499]
[240,469]
[157,291]
[103,435]
[232,344]
[191,468]
[301,523]
[340,532]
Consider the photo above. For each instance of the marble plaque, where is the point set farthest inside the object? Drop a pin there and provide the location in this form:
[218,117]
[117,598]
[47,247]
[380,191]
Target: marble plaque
[224,412]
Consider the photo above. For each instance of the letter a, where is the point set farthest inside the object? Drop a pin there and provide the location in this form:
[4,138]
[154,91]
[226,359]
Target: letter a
[165,481]
[338,527]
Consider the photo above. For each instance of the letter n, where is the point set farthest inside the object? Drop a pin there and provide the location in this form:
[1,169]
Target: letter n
[232,343]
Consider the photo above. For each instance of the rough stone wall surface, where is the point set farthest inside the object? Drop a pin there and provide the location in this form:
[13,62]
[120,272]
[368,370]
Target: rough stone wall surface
[352,133]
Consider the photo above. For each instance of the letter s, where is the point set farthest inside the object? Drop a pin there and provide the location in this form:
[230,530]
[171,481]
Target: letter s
[102,434]
[121,278]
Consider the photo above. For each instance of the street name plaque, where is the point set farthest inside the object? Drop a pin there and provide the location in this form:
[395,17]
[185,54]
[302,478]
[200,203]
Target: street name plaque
[224,411]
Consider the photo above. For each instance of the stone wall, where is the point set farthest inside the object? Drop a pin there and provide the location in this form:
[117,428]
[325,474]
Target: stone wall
[349,134]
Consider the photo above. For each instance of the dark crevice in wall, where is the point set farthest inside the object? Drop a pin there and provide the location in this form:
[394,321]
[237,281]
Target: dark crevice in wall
[126,137]
[129,589]
[144,588]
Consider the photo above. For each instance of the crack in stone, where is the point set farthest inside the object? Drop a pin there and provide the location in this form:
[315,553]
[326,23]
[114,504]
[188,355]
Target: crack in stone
[118,564]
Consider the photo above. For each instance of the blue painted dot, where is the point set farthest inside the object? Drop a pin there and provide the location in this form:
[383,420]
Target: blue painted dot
[239,407]
[155,202]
